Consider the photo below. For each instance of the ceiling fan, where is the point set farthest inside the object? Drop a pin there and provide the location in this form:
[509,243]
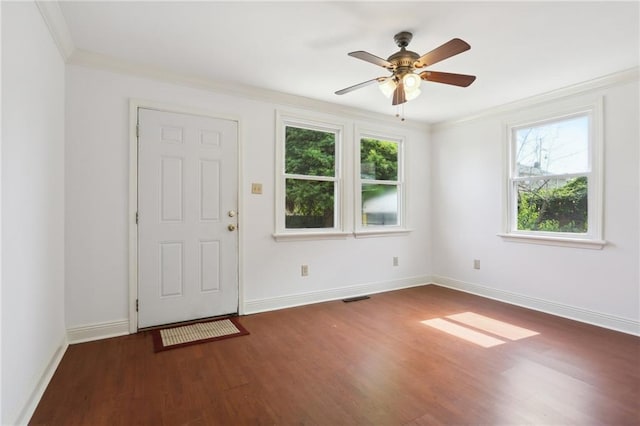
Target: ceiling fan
[404,83]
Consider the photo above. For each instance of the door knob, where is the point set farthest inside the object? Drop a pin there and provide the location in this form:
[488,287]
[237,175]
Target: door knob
[231,227]
[231,213]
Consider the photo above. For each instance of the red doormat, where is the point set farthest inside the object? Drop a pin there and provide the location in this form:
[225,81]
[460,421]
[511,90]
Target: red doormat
[195,333]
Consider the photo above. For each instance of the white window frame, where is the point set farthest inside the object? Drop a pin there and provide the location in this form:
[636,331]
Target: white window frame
[320,123]
[400,183]
[593,238]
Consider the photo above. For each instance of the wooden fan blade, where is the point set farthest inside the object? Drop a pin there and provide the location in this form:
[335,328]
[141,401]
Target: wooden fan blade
[447,50]
[461,80]
[366,56]
[359,85]
[398,94]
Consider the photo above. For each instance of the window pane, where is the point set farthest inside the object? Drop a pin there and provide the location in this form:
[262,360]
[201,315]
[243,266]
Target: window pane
[379,205]
[553,205]
[553,148]
[310,152]
[309,204]
[378,159]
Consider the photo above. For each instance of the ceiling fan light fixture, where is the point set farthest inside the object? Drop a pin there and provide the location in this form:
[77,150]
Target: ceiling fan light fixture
[411,82]
[404,83]
[412,94]
[387,87]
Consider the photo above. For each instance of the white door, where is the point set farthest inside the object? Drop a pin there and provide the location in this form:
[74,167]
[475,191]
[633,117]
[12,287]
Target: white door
[187,204]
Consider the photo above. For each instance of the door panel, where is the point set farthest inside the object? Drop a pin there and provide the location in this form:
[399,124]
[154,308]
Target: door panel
[187,184]
[210,194]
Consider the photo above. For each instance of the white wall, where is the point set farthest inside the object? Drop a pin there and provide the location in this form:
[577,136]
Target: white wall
[97,168]
[594,285]
[33,329]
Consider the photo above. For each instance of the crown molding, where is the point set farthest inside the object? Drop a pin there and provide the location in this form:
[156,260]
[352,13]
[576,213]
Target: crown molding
[59,30]
[621,77]
[99,61]
[53,17]
[55,21]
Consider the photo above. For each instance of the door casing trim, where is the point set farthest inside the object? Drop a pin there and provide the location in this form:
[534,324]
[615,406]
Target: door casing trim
[134,105]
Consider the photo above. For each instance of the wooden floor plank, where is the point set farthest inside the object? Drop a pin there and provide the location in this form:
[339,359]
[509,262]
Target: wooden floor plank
[367,362]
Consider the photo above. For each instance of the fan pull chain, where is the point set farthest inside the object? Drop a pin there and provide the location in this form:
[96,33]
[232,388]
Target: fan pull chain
[400,111]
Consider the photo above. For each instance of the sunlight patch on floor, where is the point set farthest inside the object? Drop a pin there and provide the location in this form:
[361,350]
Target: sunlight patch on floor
[459,325]
[499,328]
[463,332]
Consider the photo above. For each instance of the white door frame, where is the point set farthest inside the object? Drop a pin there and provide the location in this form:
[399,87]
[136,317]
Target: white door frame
[134,104]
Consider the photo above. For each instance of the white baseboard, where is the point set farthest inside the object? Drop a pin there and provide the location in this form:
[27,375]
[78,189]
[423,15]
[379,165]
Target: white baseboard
[566,311]
[289,301]
[104,330]
[32,403]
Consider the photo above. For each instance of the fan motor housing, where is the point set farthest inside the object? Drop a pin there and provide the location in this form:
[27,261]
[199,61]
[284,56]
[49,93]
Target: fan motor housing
[403,61]
[404,58]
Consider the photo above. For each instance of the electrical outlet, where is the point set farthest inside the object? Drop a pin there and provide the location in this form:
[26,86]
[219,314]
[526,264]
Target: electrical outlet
[395,261]
[304,270]
[476,263]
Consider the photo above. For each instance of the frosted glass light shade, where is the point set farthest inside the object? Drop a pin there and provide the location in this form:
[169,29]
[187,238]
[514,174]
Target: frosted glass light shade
[412,94]
[387,87]
[411,86]
[411,82]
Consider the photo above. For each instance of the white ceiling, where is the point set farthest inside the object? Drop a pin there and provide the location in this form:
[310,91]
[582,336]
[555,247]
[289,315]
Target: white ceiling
[518,49]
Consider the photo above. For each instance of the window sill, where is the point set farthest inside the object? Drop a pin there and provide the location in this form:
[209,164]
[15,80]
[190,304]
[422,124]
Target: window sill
[362,233]
[337,235]
[554,241]
[307,236]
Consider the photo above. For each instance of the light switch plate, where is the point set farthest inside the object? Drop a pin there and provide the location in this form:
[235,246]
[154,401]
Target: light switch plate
[256,188]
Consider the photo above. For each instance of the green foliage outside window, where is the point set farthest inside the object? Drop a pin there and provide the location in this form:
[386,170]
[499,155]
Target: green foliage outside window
[310,152]
[309,203]
[554,209]
[378,159]
[379,164]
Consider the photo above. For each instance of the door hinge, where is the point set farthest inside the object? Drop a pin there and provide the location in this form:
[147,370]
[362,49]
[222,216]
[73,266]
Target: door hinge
[137,217]
[137,130]
[136,305]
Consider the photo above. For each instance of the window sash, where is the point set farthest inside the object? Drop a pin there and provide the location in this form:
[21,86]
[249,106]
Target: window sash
[379,214]
[565,111]
[547,122]
[318,219]
[311,177]
[549,177]
[313,129]
[380,182]
[515,177]
[285,120]
[398,183]
[515,213]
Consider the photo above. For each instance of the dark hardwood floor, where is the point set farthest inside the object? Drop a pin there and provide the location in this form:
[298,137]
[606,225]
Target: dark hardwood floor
[371,362]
